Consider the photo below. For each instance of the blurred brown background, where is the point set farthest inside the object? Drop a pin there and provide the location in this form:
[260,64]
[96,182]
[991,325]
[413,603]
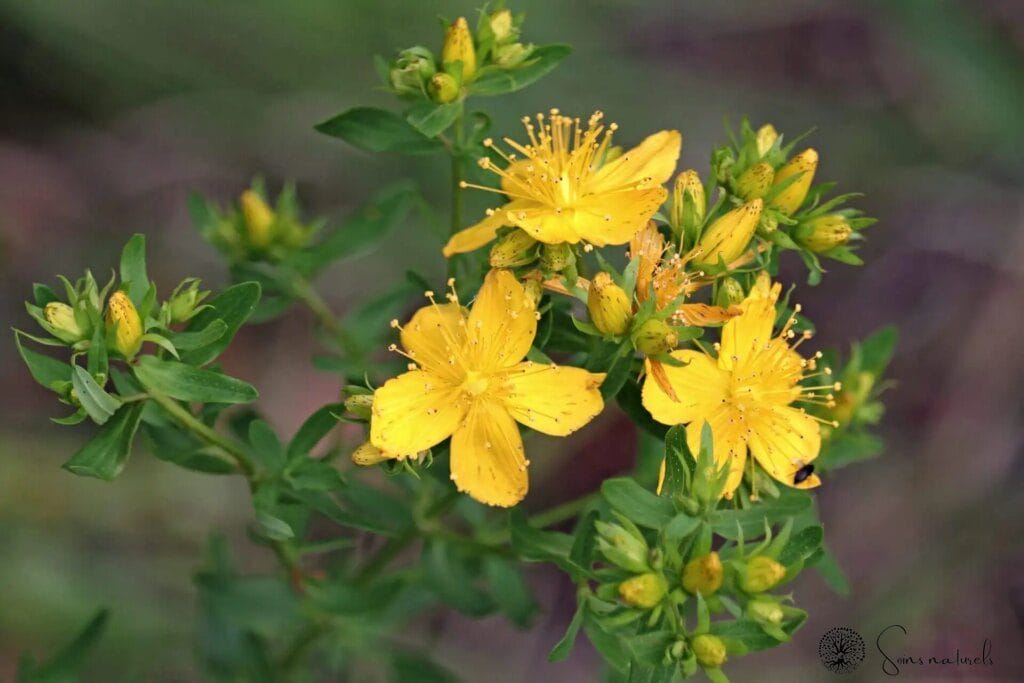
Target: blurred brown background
[110,111]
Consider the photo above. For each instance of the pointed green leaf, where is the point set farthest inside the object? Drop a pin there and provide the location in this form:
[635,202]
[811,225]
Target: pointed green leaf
[133,269]
[378,130]
[233,307]
[104,457]
[49,372]
[94,399]
[187,383]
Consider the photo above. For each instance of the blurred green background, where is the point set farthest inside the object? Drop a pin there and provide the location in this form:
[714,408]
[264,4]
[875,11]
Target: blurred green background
[110,111]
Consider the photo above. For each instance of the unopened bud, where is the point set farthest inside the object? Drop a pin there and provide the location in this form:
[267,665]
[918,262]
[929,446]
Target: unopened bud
[768,224]
[259,218]
[184,301]
[688,200]
[534,290]
[360,405]
[765,611]
[643,590]
[501,25]
[824,232]
[367,454]
[730,293]
[62,322]
[511,55]
[124,328]
[677,650]
[412,70]
[554,258]
[622,548]
[803,164]
[655,337]
[609,306]
[443,88]
[766,137]
[709,650]
[755,181]
[729,236]
[761,573]
[458,47]
[703,574]
[513,249]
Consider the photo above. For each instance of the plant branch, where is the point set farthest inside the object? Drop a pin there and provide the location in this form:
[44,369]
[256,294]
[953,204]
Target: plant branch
[305,293]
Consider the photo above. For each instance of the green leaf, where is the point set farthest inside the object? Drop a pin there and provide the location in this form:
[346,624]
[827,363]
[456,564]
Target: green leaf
[49,372]
[828,568]
[563,648]
[451,579]
[751,520]
[64,666]
[496,81]
[509,591]
[612,648]
[360,233]
[802,545]
[188,341]
[681,526]
[233,307]
[846,447]
[876,351]
[42,294]
[431,119]
[266,447]
[187,383]
[133,269]
[104,457]
[535,545]
[649,648]
[378,130]
[412,668]
[95,401]
[96,358]
[314,429]
[273,527]
[637,504]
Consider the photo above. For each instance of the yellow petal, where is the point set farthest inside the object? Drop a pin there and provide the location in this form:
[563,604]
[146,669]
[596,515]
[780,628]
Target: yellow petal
[434,335]
[553,400]
[487,459]
[700,386]
[784,440]
[413,412]
[476,236]
[703,315]
[730,449]
[747,332]
[616,217]
[502,323]
[544,223]
[654,158]
[647,246]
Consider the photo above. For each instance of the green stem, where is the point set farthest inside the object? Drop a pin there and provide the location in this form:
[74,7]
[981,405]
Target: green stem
[206,433]
[305,293]
[303,640]
[562,512]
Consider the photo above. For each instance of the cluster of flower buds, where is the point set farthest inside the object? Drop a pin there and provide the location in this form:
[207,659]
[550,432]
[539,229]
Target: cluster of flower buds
[253,230]
[70,322]
[417,74]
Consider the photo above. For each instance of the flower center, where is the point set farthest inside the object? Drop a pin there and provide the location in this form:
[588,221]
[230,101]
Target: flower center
[475,383]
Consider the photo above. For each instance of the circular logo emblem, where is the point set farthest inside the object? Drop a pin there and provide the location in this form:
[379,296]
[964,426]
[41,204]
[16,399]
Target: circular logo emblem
[841,650]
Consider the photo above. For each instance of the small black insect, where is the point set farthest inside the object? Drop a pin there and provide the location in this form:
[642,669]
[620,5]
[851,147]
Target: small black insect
[803,473]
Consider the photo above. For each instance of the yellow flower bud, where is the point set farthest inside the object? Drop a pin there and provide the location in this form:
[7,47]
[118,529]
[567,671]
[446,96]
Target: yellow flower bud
[183,302]
[643,590]
[555,258]
[761,573]
[688,192]
[458,47]
[609,306]
[123,324]
[803,164]
[62,319]
[766,137]
[367,454]
[709,650]
[765,611]
[514,249]
[823,233]
[622,547]
[443,88]
[729,236]
[511,55]
[655,337]
[360,405]
[730,293]
[259,218]
[755,181]
[501,24]
[703,574]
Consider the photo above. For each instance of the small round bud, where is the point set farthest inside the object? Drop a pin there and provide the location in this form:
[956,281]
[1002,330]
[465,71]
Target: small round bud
[803,164]
[443,88]
[124,327]
[765,611]
[63,324]
[643,590]
[766,137]
[458,47]
[511,55]
[554,258]
[513,249]
[412,70]
[688,201]
[709,650]
[768,224]
[609,307]
[655,337]
[703,574]
[823,233]
[184,301]
[761,573]
[501,25]
[259,219]
[730,292]
[367,454]
[360,405]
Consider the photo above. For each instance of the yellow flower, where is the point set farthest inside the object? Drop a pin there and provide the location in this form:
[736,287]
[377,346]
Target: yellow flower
[123,324]
[746,395]
[563,189]
[468,380]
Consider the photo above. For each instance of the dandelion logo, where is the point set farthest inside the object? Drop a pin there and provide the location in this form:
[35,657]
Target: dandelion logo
[841,650]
